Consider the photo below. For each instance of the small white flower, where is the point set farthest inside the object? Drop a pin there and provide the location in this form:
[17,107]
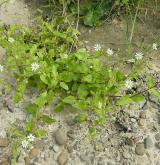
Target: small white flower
[97,47]
[1,68]
[65,55]
[34,66]
[110,52]
[11,40]
[100,105]
[24,143]
[31,138]
[154,46]
[2,133]
[129,84]
[139,56]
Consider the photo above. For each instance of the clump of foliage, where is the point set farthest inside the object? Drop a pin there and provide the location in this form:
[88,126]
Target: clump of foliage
[42,58]
[93,12]
[47,57]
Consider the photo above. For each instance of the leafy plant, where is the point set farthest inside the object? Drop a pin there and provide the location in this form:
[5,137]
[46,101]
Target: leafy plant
[41,58]
[46,57]
[91,12]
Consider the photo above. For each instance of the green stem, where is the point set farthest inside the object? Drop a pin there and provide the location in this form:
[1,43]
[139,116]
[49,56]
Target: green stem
[134,22]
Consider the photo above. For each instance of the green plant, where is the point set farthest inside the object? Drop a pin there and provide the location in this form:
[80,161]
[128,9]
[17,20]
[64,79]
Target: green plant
[91,12]
[46,57]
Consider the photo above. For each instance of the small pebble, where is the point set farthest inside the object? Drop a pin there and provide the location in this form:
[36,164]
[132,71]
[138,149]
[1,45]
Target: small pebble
[126,155]
[158,145]
[143,114]
[56,148]
[140,150]
[157,137]
[60,137]
[63,158]
[34,153]
[4,142]
[148,142]
[141,122]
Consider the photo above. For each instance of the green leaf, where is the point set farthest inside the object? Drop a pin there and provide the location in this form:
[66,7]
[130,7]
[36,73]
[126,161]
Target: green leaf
[64,85]
[80,104]
[59,107]
[18,96]
[40,133]
[155,92]
[81,54]
[150,81]
[112,90]
[69,100]
[47,119]
[41,100]
[137,98]
[81,118]
[32,108]
[82,91]
[88,78]
[124,100]
[29,125]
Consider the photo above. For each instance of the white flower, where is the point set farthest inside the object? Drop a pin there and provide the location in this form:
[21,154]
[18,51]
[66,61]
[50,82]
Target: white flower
[24,143]
[31,138]
[11,40]
[1,68]
[65,55]
[139,56]
[2,133]
[34,66]
[110,51]
[129,84]
[154,46]
[97,47]
[100,105]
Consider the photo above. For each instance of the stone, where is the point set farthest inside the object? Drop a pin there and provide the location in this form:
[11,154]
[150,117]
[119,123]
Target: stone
[71,134]
[130,142]
[133,120]
[40,144]
[157,137]
[134,129]
[70,148]
[34,152]
[126,155]
[56,148]
[101,162]
[4,163]
[63,158]
[141,122]
[143,114]
[148,142]
[140,150]
[4,142]
[60,137]
[158,145]
[84,157]
[26,159]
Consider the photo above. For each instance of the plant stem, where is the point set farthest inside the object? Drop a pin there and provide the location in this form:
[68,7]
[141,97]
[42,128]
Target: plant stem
[134,22]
